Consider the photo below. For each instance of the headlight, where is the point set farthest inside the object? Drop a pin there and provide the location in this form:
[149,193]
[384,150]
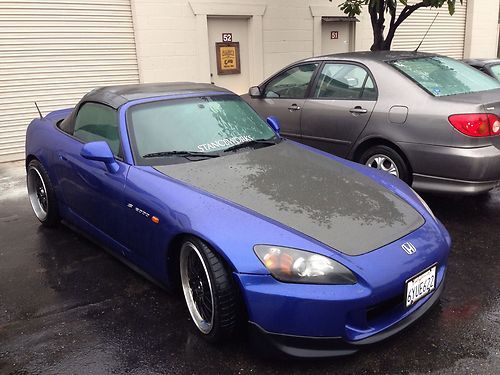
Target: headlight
[298,266]
[426,206]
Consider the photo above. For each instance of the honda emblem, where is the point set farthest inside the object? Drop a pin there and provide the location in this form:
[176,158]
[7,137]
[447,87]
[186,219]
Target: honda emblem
[409,248]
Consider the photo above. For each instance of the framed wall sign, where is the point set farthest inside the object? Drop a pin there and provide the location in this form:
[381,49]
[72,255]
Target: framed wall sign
[228,58]
[334,35]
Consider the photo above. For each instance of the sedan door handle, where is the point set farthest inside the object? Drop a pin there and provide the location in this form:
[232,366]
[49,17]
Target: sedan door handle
[358,110]
[62,157]
[294,107]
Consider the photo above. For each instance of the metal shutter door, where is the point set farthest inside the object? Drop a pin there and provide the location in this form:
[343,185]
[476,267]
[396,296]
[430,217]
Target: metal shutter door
[54,51]
[446,37]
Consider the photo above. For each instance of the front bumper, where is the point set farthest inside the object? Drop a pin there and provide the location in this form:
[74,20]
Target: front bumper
[313,321]
[273,344]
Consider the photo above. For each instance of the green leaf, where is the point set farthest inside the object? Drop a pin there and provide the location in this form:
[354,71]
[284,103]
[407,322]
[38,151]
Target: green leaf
[451,7]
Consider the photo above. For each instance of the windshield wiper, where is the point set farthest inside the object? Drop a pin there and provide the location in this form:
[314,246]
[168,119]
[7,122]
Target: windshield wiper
[184,154]
[253,142]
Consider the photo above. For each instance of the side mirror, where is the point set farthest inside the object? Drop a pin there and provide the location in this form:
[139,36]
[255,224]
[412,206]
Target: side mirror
[254,92]
[274,123]
[100,151]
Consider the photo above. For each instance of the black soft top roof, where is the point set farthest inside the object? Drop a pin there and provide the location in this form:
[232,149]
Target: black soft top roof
[116,96]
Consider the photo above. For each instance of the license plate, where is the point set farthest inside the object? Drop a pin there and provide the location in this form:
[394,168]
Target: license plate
[420,285]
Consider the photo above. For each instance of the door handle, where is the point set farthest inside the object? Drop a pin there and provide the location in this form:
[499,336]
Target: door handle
[358,110]
[62,157]
[294,107]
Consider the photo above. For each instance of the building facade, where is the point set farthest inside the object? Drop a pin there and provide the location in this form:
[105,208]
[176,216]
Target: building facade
[53,51]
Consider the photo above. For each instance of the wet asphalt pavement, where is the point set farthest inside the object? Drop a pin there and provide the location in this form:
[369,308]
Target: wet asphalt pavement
[66,306]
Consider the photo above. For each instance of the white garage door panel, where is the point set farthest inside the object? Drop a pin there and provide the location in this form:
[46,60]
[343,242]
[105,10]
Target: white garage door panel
[447,35]
[54,51]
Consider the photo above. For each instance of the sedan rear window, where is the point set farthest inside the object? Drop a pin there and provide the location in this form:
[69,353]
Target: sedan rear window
[442,76]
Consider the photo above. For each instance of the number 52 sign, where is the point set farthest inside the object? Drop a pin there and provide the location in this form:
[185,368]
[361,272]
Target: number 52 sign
[227,37]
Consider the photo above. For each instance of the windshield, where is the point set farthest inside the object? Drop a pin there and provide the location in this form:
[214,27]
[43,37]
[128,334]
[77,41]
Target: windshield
[193,125]
[496,71]
[442,76]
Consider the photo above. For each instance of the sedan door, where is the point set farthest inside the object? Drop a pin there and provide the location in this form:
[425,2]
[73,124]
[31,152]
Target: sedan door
[339,107]
[284,96]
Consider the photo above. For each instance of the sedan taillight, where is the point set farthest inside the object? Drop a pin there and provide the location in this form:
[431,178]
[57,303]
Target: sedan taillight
[476,124]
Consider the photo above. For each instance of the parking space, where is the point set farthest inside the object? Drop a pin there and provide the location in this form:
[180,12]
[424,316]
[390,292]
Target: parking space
[66,306]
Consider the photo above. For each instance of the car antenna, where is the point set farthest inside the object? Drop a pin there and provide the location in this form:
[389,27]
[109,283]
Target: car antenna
[427,32]
[39,112]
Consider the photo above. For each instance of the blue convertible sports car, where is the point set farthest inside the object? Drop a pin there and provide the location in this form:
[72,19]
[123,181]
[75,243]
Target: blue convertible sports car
[187,184]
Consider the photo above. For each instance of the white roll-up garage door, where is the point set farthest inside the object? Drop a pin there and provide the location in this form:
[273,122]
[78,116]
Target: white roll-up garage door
[53,52]
[446,37]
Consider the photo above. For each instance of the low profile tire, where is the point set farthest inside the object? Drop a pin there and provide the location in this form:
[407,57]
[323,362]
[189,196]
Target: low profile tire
[41,194]
[388,160]
[209,291]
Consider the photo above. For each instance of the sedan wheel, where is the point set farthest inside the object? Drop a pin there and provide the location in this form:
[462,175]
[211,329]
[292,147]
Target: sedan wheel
[386,159]
[383,163]
[209,291]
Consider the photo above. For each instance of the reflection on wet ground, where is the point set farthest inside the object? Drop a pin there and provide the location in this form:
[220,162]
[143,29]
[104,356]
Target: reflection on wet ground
[66,306]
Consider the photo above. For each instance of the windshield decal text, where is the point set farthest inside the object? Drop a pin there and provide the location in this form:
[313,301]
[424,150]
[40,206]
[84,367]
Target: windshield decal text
[223,143]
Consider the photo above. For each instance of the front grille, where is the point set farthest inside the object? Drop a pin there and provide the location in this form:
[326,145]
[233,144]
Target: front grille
[376,311]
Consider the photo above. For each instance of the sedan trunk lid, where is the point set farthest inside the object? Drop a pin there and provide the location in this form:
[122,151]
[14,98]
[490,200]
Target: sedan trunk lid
[477,102]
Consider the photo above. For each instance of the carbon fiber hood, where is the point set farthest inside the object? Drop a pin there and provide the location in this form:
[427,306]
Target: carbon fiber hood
[306,191]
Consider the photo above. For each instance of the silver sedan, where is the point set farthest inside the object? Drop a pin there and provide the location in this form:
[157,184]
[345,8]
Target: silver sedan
[427,119]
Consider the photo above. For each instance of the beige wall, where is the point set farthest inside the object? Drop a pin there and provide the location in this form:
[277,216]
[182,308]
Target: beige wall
[172,43]
[481,38]
[165,33]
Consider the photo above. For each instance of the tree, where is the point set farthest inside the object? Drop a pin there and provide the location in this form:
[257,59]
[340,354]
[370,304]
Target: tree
[378,10]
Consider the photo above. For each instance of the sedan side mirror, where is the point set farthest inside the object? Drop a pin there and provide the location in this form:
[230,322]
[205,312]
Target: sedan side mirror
[254,92]
[274,123]
[100,151]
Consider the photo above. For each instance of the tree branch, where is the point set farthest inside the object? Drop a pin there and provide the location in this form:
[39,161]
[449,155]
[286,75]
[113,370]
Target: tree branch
[377,20]
[373,17]
[407,11]
[381,14]
[392,7]
[378,10]
[392,11]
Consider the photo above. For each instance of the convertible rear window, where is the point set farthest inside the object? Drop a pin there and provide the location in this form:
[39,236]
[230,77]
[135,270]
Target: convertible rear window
[442,76]
[199,124]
